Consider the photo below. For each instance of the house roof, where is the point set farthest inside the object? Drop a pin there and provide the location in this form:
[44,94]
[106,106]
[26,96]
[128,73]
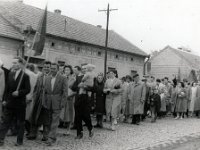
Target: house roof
[75,30]
[8,30]
[192,59]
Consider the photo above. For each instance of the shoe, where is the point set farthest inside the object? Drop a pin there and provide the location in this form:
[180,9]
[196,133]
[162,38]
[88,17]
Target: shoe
[79,136]
[91,133]
[44,139]
[177,118]
[181,118]
[137,123]
[31,137]
[18,144]
[115,122]
[97,126]
[67,133]
[73,128]
[113,128]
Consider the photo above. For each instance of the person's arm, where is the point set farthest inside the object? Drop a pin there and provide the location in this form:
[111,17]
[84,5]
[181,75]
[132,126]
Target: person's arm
[65,91]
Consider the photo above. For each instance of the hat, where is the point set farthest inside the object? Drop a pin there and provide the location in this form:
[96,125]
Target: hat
[136,75]
[100,74]
[1,63]
[154,88]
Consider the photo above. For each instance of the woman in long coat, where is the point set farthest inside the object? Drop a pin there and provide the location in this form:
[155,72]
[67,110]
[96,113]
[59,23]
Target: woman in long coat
[67,113]
[193,98]
[136,95]
[99,101]
[197,102]
[113,90]
[181,101]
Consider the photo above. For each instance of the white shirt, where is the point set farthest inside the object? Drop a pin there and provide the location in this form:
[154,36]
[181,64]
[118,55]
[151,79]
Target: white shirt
[17,73]
[53,80]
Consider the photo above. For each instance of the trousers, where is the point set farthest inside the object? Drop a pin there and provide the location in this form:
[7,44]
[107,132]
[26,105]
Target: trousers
[7,120]
[82,108]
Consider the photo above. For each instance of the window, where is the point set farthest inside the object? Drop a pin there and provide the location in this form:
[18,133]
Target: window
[117,56]
[52,44]
[78,49]
[110,69]
[133,72]
[99,53]
[131,58]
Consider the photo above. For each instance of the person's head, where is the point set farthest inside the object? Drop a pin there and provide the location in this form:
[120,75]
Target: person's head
[128,78]
[89,67]
[144,80]
[54,69]
[68,70]
[77,70]
[83,68]
[158,81]
[123,79]
[136,78]
[155,90]
[194,84]
[31,67]
[181,85]
[166,80]
[61,68]
[152,79]
[46,67]
[18,63]
[113,74]
[100,78]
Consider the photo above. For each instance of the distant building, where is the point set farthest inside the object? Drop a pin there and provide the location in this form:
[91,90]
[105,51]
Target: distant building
[68,40]
[171,62]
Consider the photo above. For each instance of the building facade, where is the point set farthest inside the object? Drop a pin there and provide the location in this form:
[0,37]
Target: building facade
[171,62]
[69,41]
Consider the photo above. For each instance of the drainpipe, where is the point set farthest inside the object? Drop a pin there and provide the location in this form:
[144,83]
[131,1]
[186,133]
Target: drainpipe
[144,69]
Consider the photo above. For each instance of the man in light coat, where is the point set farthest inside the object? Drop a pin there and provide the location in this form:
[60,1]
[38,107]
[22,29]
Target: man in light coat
[56,92]
[137,95]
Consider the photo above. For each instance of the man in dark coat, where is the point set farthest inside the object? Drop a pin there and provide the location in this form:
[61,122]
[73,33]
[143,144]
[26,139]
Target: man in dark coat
[15,100]
[40,115]
[82,108]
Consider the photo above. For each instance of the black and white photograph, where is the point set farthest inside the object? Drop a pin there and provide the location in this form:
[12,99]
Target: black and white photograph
[99,75]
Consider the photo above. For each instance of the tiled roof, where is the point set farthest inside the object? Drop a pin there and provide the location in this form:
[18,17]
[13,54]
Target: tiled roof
[75,30]
[7,30]
[192,59]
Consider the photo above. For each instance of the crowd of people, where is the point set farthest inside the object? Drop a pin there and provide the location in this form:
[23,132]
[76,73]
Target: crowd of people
[44,98]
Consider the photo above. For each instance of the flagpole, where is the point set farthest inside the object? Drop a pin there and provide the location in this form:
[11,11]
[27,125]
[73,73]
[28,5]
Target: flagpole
[26,64]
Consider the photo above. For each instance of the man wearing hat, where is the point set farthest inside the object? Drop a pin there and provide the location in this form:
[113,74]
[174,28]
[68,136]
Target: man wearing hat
[137,94]
[2,86]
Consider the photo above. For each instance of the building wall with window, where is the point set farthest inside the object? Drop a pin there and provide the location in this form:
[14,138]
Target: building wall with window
[67,52]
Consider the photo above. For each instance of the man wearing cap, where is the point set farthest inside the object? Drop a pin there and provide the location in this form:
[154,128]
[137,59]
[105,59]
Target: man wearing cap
[137,98]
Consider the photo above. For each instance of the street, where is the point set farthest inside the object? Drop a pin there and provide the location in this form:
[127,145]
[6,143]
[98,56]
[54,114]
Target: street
[165,134]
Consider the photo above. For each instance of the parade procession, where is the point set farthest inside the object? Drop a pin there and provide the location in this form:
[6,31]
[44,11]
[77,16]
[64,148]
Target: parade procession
[66,84]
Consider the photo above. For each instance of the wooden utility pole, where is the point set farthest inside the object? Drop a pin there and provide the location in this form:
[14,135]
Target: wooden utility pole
[106,41]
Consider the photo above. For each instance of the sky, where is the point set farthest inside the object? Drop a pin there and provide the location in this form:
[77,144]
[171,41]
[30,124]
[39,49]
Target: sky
[149,24]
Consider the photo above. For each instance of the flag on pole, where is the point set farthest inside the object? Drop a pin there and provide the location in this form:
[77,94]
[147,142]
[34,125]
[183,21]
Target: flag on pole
[40,35]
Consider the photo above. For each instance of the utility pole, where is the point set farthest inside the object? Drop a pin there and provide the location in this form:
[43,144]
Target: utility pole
[106,42]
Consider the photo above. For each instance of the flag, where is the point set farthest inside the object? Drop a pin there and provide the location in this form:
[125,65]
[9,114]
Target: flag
[179,75]
[39,41]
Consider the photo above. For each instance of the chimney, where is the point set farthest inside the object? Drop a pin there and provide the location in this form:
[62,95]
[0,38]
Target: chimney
[99,26]
[57,11]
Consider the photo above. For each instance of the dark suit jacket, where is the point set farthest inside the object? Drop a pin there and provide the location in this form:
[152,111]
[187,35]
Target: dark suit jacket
[75,87]
[20,101]
[56,98]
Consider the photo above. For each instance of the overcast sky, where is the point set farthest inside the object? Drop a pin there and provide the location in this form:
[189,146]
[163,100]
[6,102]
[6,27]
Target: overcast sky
[148,24]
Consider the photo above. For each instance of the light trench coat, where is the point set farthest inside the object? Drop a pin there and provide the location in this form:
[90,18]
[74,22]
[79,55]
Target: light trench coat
[29,97]
[113,100]
[137,93]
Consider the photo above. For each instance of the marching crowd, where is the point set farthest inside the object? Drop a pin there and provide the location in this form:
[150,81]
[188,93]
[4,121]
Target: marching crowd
[55,96]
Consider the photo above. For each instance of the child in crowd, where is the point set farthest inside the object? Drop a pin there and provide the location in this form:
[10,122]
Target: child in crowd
[155,103]
[87,80]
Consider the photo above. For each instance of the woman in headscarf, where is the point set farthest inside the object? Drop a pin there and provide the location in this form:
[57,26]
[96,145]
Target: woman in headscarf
[67,113]
[113,90]
[99,100]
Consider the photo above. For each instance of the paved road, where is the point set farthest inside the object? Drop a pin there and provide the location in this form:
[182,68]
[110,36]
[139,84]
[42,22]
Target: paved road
[165,134]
